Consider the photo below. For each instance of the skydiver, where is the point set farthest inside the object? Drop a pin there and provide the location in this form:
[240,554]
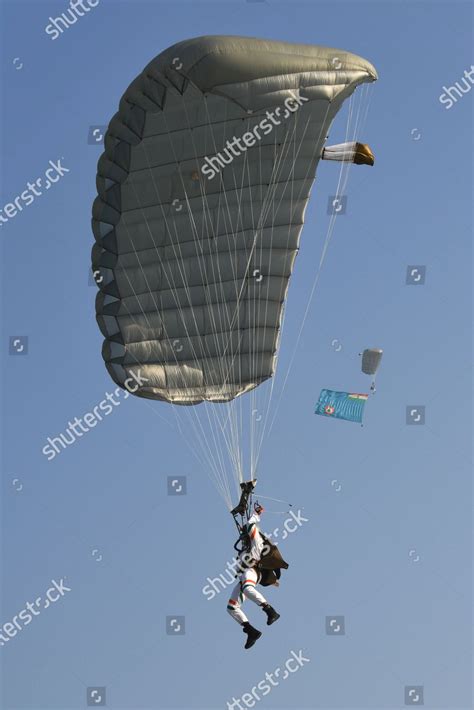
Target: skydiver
[249,576]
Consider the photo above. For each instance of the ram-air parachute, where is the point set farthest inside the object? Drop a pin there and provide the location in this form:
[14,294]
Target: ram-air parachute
[202,191]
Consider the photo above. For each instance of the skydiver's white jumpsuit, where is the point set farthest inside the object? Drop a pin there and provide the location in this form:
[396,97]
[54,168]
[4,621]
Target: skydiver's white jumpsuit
[249,578]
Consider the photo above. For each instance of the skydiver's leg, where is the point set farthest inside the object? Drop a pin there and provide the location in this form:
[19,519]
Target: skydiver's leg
[235,603]
[235,610]
[249,580]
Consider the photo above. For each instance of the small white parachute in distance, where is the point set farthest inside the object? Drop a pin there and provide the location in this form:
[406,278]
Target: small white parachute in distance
[371,359]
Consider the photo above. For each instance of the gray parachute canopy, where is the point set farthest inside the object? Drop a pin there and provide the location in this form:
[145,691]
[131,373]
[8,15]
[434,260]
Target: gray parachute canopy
[371,359]
[202,191]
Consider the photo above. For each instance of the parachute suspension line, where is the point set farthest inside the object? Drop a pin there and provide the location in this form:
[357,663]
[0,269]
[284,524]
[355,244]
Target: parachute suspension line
[256,234]
[264,212]
[235,406]
[274,208]
[260,290]
[216,439]
[241,402]
[342,180]
[315,283]
[308,174]
[281,295]
[213,409]
[253,400]
[290,179]
[254,413]
[249,259]
[232,407]
[237,402]
[253,397]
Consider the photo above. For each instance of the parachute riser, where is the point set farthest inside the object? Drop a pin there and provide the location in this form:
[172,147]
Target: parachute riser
[243,509]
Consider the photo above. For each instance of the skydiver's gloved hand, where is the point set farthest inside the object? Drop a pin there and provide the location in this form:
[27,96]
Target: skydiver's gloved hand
[259,509]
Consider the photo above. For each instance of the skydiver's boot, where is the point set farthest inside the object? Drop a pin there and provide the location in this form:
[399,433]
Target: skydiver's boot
[272,615]
[252,634]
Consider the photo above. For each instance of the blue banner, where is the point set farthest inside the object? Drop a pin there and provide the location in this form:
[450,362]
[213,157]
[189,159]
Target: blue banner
[341,405]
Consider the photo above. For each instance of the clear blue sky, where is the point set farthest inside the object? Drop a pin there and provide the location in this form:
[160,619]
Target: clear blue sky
[391,550]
